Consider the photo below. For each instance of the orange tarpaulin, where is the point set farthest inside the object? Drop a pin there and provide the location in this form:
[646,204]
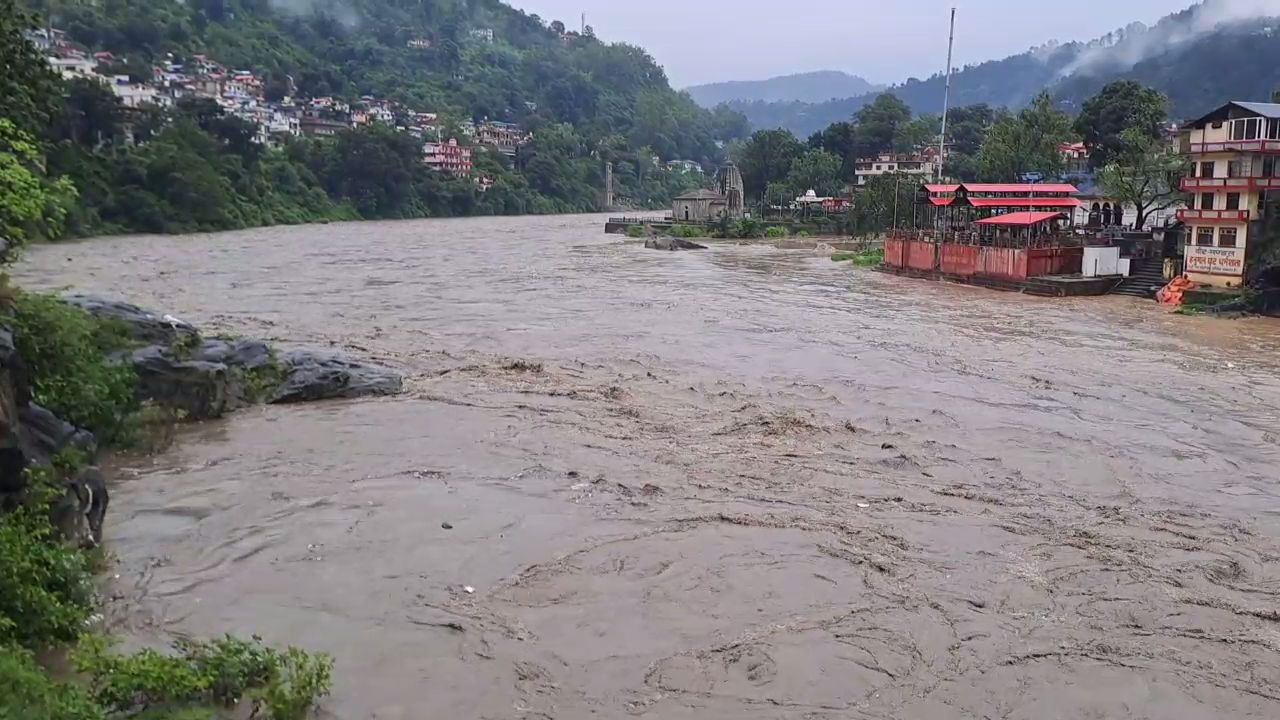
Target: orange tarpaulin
[1172,293]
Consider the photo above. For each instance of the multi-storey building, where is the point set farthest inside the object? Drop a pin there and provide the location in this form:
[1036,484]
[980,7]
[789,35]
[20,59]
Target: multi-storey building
[448,157]
[922,165]
[1235,151]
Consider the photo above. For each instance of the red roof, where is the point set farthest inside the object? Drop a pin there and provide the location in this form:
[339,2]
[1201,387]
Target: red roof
[942,188]
[942,202]
[1024,202]
[1022,219]
[1027,188]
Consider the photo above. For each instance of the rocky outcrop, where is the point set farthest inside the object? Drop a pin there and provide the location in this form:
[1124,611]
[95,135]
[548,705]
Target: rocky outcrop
[672,243]
[42,435]
[198,389]
[143,326]
[314,375]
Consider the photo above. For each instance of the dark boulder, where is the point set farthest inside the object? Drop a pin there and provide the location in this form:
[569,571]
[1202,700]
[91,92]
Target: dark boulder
[316,375]
[42,435]
[199,389]
[143,325]
[672,243]
[79,513]
[246,354]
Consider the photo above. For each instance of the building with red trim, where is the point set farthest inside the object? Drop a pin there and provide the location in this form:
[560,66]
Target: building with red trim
[448,157]
[1235,151]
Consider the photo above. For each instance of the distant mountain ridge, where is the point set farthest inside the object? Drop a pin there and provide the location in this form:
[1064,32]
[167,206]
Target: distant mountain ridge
[1211,52]
[812,87]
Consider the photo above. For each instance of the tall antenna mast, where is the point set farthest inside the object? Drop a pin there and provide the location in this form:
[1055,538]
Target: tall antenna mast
[584,23]
[946,98]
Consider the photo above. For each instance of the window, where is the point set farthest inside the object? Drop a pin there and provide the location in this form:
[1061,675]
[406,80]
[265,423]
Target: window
[1273,129]
[1206,169]
[1235,169]
[1252,127]
[1268,167]
[1233,201]
[1204,236]
[1237,130]
[1227,237]
[1206,201]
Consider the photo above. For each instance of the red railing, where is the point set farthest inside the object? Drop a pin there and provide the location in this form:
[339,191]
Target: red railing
[1188,215]
[1258,146]
[1245,183]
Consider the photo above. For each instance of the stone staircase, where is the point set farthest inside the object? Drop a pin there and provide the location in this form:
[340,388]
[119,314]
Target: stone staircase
[1145,277]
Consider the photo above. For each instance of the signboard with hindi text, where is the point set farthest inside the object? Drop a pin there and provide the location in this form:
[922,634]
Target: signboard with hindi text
[1206,260]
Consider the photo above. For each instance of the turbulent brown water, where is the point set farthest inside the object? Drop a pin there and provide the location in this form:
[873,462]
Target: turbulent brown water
[739,483]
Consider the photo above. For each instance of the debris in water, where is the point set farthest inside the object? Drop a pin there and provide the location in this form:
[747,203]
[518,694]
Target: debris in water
[446,526]
[888,446]
[468,589]
[864,506]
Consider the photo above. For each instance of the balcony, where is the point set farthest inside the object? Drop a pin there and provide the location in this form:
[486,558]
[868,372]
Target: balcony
[1195,184]
[1214,216]
[1248,146]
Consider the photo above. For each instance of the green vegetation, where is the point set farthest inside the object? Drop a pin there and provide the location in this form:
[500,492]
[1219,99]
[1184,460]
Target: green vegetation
[636,231]
[1122,107]
[65,350]
[865,258]
[689,231]
[1026,143]
[1145,173]
[194,169]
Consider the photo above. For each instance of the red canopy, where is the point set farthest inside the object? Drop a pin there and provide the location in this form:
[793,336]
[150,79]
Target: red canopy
[1023,202]
[1021,188]
[1021,219]
[942,188]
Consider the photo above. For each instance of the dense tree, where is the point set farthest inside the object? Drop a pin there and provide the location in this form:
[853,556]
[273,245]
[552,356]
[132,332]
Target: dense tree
[91,114]
[1122,106]
[1145,173]
[880,124]
[1025,144]
[884,203]
[816,170]
[29,91]
[967,130]
[766,158]
[30,205]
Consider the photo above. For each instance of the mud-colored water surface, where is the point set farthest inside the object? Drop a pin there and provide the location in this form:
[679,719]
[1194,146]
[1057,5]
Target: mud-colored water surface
[737,483]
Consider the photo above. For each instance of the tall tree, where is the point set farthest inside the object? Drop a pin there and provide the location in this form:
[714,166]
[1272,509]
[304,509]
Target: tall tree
[816,170]
[1026,143]
[879,124]
[1121,106]
[767,157]
[1145,173]
[30,205]
[29,90]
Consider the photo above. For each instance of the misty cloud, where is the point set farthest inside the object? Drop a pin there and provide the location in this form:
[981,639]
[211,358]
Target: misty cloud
[1127,47]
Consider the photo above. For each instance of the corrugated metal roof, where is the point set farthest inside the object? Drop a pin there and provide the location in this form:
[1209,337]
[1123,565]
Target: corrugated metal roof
[941,188]
[1024,202]
[1020,188]
[1021,219]
[1266,110]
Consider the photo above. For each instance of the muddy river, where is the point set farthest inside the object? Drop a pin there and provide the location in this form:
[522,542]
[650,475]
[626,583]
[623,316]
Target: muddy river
[739,483]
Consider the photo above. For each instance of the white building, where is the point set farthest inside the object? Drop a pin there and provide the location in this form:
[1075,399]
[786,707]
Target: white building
[922,165]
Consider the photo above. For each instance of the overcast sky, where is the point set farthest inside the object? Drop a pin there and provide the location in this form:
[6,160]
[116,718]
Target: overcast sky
[886,41]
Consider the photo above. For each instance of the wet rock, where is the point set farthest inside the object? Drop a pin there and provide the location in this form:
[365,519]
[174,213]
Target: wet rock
[198,388]
[314,375]
[672,243]
[14,394]
[42,435]
[247,354]
[142,325]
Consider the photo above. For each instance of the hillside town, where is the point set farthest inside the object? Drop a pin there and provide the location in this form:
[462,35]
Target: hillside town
[243,94]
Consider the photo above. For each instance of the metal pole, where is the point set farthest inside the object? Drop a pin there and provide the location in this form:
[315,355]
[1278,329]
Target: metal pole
[946,98]
[896,182]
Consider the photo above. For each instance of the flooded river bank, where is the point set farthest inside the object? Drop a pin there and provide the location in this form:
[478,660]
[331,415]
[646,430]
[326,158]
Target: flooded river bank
[736,483]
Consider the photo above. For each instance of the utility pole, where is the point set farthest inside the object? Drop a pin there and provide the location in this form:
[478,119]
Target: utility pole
[946,98]
[584,23]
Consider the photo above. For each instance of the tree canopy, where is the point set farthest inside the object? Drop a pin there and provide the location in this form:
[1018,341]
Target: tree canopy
[1122,106]
[1145,172]
[1027,143]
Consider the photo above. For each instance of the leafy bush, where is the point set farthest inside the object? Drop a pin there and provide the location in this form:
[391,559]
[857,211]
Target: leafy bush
[636,231]
[775,232]
[26,692]
[282,685]
[65,350]
[866,258]
[45,588]
[688,231]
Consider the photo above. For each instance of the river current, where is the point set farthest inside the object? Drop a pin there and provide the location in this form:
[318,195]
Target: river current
[736,483]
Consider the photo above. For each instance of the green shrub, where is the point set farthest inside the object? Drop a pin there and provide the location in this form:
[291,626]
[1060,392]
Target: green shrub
[281,685]
[27,692]
[65,350]
[301,681]
[775,232]
[45,587]
[636,231]
[688,231]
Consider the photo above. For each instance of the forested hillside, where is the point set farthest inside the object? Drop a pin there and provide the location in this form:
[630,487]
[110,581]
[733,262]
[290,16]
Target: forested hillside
[1200,57]
[190,167]
[814,87]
